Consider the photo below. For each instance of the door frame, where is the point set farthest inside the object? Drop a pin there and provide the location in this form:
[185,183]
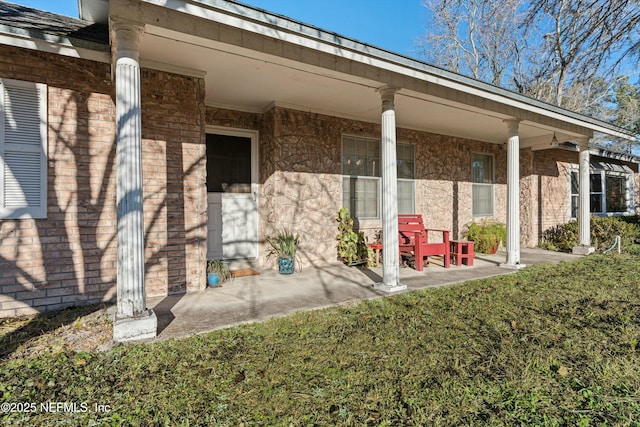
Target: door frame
[253,135]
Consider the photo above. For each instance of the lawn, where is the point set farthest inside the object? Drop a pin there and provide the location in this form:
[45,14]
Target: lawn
[549,345]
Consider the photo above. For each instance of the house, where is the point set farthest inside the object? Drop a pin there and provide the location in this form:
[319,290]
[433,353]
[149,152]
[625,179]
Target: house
[150,135]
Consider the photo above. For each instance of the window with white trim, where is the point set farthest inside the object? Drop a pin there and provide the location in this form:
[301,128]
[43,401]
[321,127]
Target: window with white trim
[361,181]
[574,188]
[609,191]
[617,193]
[482,179]
[23,147]
[596,196]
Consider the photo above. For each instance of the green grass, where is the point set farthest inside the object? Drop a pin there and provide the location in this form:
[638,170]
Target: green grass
[550,345]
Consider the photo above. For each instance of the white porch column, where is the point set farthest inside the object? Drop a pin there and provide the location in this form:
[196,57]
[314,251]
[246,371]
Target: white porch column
[391,259]
[584,211]
[513,196]
[133,319]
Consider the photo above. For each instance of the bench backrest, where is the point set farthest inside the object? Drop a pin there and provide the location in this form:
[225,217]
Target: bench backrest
[410,221]
[408,224]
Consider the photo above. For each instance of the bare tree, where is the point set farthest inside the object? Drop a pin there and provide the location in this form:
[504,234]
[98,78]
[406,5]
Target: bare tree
[565,52]
[579,40]
[479,38]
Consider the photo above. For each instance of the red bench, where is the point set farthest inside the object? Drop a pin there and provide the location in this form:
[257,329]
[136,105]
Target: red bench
[414,240]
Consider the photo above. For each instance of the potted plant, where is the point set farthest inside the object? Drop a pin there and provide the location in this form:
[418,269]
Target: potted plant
[487,235]
[352,245]
[217,272]
[284,246]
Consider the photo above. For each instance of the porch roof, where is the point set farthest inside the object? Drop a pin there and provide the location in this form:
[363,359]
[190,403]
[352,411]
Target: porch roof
[251,59]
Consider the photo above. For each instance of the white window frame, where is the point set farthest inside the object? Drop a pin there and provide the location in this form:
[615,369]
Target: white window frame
[488,185]
[627,192]
[574,170]
[603,174]
[16,206]
[377,179]
[601,193]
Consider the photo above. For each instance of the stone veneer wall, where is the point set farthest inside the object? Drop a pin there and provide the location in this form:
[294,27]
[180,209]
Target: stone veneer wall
[443,179]
[301,181]
[69,258]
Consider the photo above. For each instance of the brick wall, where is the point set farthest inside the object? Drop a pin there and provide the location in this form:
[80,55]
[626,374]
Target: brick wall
[69,258]
[174,172]
[551,182]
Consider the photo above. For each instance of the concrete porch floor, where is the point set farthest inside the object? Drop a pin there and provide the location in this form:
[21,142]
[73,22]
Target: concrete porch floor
[270,294]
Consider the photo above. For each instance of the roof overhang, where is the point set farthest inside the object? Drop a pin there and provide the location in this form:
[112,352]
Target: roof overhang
[251,59]
[94,10]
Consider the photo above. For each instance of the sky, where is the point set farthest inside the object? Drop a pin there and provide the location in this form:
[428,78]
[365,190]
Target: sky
[394,25]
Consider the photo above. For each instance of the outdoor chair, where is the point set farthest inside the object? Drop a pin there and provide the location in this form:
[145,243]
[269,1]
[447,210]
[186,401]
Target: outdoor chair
[414,241]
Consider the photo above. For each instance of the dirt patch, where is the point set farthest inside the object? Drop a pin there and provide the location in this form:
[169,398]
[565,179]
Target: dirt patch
[78,329]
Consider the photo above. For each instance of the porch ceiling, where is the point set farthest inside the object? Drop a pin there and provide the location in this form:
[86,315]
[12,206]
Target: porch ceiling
[237,78]
[251,59]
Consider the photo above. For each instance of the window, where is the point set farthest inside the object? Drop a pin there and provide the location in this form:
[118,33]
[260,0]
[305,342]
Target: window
[361,182]
[228,164]
[575,193]
[595,190]
[482,184]
[23,130]
[609,191]
[616,193]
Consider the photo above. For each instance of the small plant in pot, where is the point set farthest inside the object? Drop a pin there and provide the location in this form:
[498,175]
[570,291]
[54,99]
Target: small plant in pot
[284,246]
[217,272]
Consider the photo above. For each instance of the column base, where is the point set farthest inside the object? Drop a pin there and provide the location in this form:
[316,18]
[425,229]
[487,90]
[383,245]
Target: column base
[390,288]
[142,327]
[511,266]
[583,250]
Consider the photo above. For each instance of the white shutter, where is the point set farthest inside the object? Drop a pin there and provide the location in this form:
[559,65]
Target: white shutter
[23,145]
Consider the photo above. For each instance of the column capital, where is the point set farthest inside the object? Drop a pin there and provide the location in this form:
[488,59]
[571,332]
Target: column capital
[387,94]
[512,126]
[127,36]
[583,143]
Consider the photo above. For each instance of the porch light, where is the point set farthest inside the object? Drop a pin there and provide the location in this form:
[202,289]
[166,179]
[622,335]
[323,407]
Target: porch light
[554,141]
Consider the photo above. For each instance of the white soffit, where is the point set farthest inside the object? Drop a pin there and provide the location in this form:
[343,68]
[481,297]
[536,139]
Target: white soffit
[282,30]
[238,78]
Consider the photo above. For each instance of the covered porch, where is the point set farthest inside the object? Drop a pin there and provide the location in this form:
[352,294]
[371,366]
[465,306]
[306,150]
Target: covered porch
[256,298]
[269,70]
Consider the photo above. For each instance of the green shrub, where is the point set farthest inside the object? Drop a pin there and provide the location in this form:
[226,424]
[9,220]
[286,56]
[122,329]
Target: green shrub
[631,219]
[487,235]
[603,234]
[352,245]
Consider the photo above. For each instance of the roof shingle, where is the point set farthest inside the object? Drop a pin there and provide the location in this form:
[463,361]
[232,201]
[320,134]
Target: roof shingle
[36,21]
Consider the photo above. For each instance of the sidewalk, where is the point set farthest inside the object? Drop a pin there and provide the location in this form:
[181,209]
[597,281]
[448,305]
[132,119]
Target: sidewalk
[270,294]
